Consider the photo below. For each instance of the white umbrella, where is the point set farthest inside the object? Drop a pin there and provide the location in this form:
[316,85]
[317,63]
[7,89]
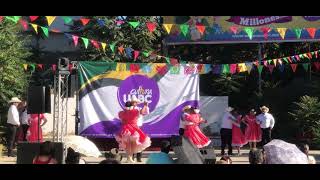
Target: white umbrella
[82,145]
[281,152]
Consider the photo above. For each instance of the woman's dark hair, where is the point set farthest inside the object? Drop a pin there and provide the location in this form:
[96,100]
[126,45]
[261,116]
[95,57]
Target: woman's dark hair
[46,149]
[256,156]
[128,104]
[72,157]
[304,148]
[110,161]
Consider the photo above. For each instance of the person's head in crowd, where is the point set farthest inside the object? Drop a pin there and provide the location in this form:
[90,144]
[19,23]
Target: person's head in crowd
[227,159]
[222,162]
[165,147]
[47,149]
[252,112]
[72,157]
[15,101]
[256,156]
[113,154]
[22,105]
[128,105]
[304,148]
[110,161]
[186,109]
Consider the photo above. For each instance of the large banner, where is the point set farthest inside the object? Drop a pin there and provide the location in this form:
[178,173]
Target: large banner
[241,29]
[105,87]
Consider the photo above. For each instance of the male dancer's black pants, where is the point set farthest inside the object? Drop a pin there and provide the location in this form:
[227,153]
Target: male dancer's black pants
[226,139]
[266,136]
[25,128]
[11,136]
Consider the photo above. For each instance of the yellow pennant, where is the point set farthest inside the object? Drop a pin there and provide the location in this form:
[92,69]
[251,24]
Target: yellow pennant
[282,32]
[242,67]
[275,62]
[121,67]
[168,27]
[50,19]
[25,66]
[103,46]
[35,27]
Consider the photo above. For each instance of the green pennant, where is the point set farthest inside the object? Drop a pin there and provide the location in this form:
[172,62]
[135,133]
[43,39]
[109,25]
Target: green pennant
[66,19]
[134,24]
[269,61]
[298,32]
[226,68]
[174,69]
[249,31]
[168,60]
[13,18]
[305,66]
[45,31]
[312,53]
[33,67]
[85,41]
[112,46]
[301,56]
[184,29]
[146,54]
[285,59]
[260,69]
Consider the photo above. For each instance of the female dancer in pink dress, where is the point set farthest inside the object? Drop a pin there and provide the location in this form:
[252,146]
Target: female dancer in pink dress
[131,138]
[253,131]
[192,130]
[238,138]
[34,129]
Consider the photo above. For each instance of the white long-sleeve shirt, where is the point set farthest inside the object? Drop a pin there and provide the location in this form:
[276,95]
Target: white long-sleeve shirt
[266,120]
[227,121]
[13,116]
[24,117]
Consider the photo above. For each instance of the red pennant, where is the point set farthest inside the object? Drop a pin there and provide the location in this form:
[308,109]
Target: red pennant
[119,22]
[316,53]
[134,68]
[265,63]
[75,39]
[33,18]
[162,70]
[201,28]
[24,24]
[1,18]
[290,60]
[54,68]
[311,31]
[294,67]
[151,26]
[121,49]
[84,21]
[265,31]
[40,66]
[256,63]
[233,68]
[309,55]
[135,54]
[297,57]
[317,65]
[234,29]
[95,44]
[271,67]
[200,68]
[174,61]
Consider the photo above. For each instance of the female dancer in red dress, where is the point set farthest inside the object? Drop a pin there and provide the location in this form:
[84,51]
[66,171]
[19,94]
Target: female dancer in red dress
[131,138]
[192,130]
[253,131]
[32,135]
[238,138]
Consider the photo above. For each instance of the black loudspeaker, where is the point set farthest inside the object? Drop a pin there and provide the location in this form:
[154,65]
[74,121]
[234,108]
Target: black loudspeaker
[185,151]
[27,151]
[209,155]
[39,100]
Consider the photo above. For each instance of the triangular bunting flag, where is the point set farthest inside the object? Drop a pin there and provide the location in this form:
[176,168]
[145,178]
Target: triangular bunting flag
[50,19]
[1,18]
[294,67]
[24,24]
[121,49]
[151,26]
[167,59]
[289,59]
[146,54]
[260,68]
[249,31]
[134,24]
[297,57]
[280,61]
[33,68]
[282,32]
[103,45]
[265,63]
[305,66]
[309,55]
[13,18]
[174,61]
[269,61]
[135,54]
[45,31]
[281,68]
[201,28]
[85,42]
[285,59]
[95,44]
[293,59]
[67,19]
[271,67]
[274,62]
[233,68]
[119,22]
[84,21]
[35,27]
[112,46]
[317,65]
[226,68]
[129,52]
[54,68]
[33,18]
[265,31]
[312,32]
[316,53]
[242,67]
[297,31]
[75,40]
[234,29]
[168,27]
[40,66]
[305,55]
[216,69]
[101,22]
[134,68]
[184,29]
[25,67]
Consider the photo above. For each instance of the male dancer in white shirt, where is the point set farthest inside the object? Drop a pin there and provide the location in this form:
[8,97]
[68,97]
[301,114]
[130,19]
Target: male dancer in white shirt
[266,121]
[13,123]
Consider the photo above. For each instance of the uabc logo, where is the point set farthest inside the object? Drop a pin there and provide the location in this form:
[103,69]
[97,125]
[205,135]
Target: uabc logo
[140,87]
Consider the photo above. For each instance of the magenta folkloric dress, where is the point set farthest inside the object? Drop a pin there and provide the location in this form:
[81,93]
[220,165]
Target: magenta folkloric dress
[253,131]
[238,138]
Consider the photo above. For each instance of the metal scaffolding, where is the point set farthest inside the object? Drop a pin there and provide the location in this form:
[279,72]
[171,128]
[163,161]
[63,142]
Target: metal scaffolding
[60,127]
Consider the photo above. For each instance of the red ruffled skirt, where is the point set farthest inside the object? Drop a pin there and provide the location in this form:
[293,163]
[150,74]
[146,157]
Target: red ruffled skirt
[194,134]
